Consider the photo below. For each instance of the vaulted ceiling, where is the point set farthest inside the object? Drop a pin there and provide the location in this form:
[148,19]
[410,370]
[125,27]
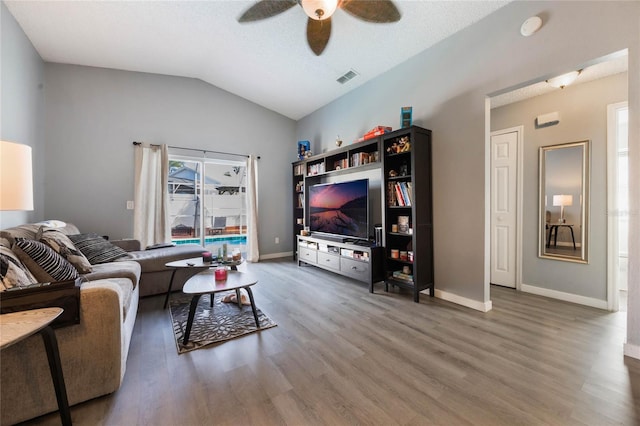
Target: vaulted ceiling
[267,62]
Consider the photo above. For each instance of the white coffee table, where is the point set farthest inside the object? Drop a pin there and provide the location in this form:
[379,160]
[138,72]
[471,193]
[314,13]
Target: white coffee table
[195,263]
[205,283]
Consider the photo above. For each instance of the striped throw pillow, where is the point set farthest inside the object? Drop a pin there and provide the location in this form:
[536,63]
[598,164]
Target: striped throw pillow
[43,262]
[96,249]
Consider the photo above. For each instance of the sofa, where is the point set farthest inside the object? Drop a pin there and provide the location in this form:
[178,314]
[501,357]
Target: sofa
[94,352]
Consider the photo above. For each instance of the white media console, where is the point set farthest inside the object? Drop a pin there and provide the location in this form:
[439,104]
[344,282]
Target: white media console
[362,262]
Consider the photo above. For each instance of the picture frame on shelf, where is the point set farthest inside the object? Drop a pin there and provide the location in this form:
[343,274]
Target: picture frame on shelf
[303,148]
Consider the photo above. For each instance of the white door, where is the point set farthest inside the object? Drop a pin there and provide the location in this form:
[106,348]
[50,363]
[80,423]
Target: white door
[504,164]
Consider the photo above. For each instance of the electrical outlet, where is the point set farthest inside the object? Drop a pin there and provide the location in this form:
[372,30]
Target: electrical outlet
[129,205]
[277,240]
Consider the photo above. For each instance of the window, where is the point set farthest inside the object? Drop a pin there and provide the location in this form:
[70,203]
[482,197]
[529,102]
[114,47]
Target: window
[208,202]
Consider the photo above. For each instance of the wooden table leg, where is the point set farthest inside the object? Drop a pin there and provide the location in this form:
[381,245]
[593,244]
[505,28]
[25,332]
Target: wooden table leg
[51,347]
[253,306]
[192,314]
[166,299]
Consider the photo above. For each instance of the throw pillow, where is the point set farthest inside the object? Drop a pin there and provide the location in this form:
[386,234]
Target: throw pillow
[44,263]
[96,249]
[12,272]
[62,245]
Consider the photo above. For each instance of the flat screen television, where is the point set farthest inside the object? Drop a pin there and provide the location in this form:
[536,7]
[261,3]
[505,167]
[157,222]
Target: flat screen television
[340,209]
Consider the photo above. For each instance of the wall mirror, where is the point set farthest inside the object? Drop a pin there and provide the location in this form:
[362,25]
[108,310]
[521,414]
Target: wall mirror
[564,202]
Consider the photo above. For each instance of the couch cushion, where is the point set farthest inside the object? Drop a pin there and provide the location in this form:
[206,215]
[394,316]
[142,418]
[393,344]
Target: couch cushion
[12,272]
[121,269]
[27,231]
[154,260]
[96,249]
[62,245]
[44,263]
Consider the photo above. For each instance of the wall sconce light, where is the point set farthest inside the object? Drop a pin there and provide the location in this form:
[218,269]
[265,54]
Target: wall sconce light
[564,80]
[562,201]
[16,177]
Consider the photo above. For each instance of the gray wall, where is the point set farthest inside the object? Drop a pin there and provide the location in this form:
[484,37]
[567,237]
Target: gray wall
[21,110]
[447,86]
[583,115]
[94,115]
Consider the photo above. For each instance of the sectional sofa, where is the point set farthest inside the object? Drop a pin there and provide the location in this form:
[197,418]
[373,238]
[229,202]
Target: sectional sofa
[94,352]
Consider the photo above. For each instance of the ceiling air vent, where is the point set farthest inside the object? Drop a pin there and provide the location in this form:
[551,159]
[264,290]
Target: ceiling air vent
[346,77]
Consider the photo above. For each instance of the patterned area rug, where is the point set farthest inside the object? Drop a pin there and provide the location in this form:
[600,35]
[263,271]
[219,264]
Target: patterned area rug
[226,322]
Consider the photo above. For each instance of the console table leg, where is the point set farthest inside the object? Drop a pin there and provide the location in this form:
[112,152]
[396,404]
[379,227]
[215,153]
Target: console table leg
[253,306]
[51,347]
[192,314]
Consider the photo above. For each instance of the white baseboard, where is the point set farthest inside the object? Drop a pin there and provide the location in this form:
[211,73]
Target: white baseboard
[276,255]
[567,297]
[469,303]
[631,350]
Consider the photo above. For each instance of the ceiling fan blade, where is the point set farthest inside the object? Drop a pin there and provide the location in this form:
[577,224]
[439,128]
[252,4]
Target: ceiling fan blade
[372,10]
[318,33]
[266,9]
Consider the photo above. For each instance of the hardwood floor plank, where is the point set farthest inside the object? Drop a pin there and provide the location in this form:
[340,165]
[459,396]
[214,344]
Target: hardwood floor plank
[343,356]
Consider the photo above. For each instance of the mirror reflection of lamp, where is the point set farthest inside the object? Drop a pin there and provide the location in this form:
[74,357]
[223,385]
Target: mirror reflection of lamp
[562,201]
[16,179]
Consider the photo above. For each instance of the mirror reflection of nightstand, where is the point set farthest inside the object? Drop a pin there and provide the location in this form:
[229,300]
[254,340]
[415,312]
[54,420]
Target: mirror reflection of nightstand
[553,232]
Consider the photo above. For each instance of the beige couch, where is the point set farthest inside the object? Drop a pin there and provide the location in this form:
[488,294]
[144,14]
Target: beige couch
[94,352]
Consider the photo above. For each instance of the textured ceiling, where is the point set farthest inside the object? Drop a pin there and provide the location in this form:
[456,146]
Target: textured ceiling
[613,65]
[267,62]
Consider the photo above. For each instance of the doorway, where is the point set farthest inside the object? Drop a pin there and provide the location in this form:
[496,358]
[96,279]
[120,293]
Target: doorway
[506,206]
[617,205]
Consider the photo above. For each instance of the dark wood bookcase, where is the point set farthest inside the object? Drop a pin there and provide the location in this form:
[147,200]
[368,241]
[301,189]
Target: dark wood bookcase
[408,210]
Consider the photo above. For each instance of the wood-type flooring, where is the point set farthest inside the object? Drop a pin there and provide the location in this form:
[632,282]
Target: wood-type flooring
[343,356]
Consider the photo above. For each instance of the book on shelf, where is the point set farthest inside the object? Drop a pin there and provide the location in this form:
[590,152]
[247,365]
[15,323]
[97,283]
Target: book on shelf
[361,158]
[376,131]
[399,275]
[399,194]
[314,169]
[298,170]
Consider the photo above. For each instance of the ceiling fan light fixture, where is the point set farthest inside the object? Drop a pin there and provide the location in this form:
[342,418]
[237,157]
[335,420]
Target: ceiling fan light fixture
[319,9]
[564,80]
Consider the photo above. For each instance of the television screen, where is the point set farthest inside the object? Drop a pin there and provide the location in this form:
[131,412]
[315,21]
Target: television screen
[340,208]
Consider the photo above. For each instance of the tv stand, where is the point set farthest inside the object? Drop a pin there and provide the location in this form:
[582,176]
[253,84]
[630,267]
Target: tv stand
[361,262]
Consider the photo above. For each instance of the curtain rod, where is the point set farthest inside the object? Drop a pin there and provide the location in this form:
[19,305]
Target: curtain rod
[200,150]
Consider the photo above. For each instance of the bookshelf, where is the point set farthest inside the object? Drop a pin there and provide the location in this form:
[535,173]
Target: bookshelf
[408,218]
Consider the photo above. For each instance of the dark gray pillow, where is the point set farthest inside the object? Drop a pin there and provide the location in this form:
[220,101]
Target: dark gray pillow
[43,262]
[96,249]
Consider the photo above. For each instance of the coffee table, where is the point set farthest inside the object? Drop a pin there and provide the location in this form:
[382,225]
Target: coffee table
[205,283]
[195,263]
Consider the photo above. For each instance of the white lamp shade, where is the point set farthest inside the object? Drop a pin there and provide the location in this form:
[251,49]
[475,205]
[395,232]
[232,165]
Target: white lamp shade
[16,177]
[563,200]
[319,9]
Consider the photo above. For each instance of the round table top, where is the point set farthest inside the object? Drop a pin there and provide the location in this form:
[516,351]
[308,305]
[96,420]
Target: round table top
[16,326]
[205,282]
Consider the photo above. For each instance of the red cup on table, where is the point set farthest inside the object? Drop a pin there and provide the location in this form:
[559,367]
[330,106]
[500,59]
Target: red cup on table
[221,274]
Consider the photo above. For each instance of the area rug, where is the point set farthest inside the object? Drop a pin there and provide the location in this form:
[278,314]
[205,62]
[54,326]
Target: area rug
[226,322]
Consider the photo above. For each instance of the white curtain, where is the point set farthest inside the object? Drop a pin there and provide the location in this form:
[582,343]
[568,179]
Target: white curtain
[151,213]
[253,254]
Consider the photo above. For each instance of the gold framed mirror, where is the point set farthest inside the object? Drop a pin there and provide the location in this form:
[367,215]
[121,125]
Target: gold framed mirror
[564,202]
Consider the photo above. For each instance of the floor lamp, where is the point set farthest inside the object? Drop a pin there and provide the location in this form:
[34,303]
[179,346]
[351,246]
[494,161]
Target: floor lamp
[16,177]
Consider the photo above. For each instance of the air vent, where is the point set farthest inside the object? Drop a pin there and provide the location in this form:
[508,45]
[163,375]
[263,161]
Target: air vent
[348,76]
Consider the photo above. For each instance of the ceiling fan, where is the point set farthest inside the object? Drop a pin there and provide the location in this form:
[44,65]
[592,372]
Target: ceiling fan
[320,12]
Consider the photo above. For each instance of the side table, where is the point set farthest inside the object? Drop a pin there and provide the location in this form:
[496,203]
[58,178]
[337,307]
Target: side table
[17,326]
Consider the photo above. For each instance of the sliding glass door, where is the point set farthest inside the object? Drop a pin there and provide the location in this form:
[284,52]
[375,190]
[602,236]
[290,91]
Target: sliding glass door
[208,202]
